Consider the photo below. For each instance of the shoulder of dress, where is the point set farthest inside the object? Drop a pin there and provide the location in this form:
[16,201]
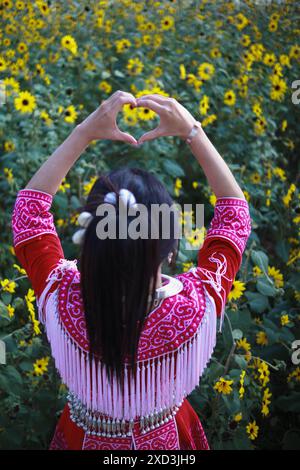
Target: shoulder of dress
[63,282]
[175,320]
[71,309]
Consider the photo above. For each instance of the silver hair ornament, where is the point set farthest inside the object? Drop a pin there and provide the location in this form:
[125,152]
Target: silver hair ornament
[83,220]
[85,217]
[126,196]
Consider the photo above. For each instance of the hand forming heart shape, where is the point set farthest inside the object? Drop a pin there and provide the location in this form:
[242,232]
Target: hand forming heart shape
[101,124]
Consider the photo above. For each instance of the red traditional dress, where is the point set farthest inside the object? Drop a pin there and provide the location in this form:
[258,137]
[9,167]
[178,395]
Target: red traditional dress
[148,410]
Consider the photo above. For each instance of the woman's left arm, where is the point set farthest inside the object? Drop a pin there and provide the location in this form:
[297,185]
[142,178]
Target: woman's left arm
[101,124]
[37,245]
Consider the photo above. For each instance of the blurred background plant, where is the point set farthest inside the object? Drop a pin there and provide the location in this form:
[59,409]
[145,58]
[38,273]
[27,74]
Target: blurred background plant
[232,64]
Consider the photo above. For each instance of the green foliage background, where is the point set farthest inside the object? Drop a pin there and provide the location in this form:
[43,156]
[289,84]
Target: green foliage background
[261,145]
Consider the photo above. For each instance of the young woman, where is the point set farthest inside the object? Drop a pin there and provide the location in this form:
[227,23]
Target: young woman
[129,342]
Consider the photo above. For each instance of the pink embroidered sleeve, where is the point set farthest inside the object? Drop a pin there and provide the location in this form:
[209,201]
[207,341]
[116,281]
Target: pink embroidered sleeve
[231,222]
[220,257]
[31,216]
[35,239]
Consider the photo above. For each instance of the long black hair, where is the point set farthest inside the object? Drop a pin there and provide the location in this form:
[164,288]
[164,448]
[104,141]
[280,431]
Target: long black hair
[119,276]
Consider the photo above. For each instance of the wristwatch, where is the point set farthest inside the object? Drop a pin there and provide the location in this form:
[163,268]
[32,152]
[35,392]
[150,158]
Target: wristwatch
[193,132]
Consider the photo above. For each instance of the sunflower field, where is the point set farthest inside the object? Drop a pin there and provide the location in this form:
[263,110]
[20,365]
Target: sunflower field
[235,66]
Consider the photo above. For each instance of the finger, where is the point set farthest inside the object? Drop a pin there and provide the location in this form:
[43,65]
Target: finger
[147,103]
[160,99]
[125,97]
[153,134]
[120,102]
[118,99]
[124,136]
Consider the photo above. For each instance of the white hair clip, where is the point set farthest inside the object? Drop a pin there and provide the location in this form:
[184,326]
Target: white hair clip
[83,220]
[126,196]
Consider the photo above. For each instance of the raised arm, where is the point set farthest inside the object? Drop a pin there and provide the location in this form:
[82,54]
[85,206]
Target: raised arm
[101,124]
[220,257]
[177,121]
[35,239]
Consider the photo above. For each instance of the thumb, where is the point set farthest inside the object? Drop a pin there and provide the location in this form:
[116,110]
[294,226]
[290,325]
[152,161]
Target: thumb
[127,138]
[154,133]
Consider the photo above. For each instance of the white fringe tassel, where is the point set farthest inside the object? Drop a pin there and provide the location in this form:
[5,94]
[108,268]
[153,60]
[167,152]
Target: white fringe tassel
[159,383]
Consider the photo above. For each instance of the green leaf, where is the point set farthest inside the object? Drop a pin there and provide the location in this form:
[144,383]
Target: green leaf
[6,297]
[257,302]
[282,250]
[240,361]
[172,168]
[260,259]
[265,287]
[119,74]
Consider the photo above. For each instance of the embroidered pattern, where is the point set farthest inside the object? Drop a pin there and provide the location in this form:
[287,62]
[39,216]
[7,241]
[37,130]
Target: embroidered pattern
[197,440]
[31,216]
[59,441]
[106,443]
[231,221]
[55,275]
[163,438]
[166,328]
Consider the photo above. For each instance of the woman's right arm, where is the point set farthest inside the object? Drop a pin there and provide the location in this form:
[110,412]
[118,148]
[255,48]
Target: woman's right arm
[220,257]
[177,121]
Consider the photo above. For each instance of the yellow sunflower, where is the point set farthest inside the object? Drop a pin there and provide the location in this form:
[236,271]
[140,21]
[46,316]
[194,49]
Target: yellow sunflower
[25,102]
[204,105]
[295,52]
[273,26]
[276,275]
[41,366]
[11,86]
[167,23]
[284,320]
[229,98]
[252,430]
[182,72]
[135,66]
[9,146]
[3,64]
[237,290]
[70,114]
[255,178]
[223,386]
[22,47]
[261,338]
[69,43]
[279,88]
[260,125]
[243,344]
[209,120]
[269,59]
[130,114]
[122,45]
[177,186]
[105,86]
[206,71]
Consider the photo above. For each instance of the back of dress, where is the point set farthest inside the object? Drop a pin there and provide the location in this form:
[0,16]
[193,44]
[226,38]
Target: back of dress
[146,409]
